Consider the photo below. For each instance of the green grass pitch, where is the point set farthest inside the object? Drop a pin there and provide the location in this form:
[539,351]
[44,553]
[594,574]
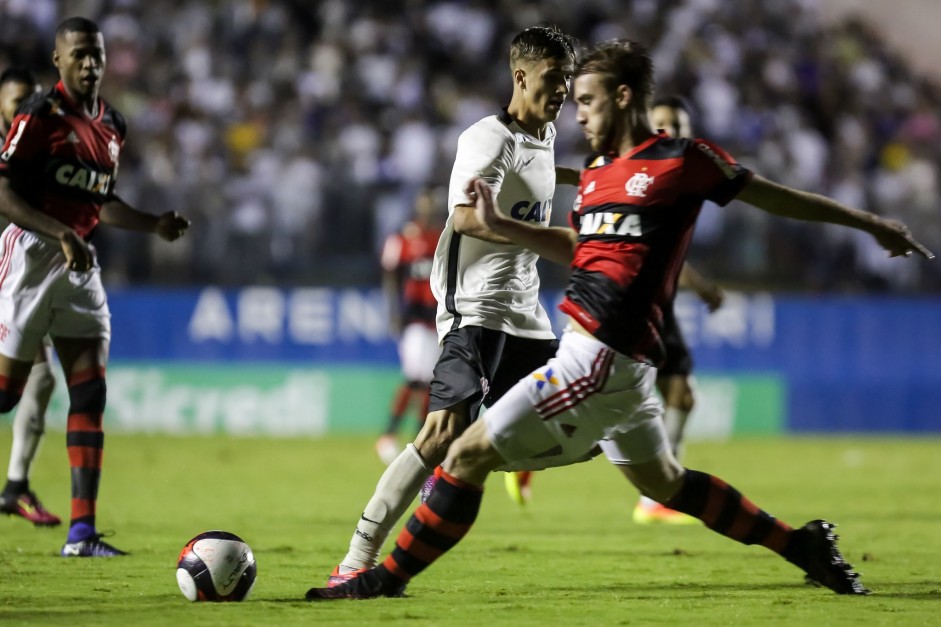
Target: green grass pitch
[572,557]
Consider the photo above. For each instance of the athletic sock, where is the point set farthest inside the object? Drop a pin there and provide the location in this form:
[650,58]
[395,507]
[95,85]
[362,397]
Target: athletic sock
[394,493]
[80,531]
[15,487]
[29,421]
[674,420]
[726,511]
[85,441]
[435,527]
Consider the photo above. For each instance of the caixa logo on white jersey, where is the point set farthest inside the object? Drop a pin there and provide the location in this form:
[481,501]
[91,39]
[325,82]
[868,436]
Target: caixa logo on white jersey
[611,223]
[83,178]
[538,211]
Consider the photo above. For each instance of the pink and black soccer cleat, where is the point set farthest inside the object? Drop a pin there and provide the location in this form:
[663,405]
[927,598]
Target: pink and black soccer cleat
[27,505]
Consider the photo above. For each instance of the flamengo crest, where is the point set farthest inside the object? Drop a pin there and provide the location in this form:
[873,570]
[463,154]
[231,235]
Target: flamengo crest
[114,149]
[637,184]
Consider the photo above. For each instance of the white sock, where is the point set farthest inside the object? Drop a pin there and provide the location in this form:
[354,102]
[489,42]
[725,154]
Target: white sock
[30,420]
[675,422]
[394,493]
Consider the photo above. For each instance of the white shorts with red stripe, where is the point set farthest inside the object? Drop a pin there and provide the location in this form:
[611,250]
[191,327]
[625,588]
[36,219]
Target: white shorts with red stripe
[418,352]
[39,295]
[587,396]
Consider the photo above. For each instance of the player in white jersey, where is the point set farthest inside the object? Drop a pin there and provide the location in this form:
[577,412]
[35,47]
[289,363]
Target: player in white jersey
[492,329]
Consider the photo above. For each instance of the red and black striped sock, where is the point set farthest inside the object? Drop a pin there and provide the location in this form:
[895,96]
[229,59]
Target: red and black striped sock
[725,510]
[85,441]
[436,526]
[399,405]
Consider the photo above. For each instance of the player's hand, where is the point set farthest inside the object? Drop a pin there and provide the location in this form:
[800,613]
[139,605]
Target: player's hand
[78,255]
[485,209]
[171,226]
[713,296]
[897,239]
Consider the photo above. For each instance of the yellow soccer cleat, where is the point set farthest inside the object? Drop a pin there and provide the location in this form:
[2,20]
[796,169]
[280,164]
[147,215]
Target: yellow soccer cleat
[648,512]
[518,486]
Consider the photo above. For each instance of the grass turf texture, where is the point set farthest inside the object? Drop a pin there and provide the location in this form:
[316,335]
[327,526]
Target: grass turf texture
[572,557]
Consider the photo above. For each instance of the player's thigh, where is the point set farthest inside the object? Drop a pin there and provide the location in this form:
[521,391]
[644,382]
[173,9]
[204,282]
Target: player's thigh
[14,372]
[81,354]
[465,367]
[519,359]
[44,354]
[556,414]
[80,313]
[29,274]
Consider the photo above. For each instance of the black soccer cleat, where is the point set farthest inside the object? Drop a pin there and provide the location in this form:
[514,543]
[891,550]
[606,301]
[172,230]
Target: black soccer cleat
[814,550]
[372,584]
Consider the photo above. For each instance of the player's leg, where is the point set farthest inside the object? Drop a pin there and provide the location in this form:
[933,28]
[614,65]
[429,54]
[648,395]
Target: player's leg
[22,315]
[467,361]
[643,455]
[676,390]
[533,426]
[83,362]
[418,351]
[521,357]
[28,427]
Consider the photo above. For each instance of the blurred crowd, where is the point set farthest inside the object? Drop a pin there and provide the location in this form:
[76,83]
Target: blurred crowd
[297,134]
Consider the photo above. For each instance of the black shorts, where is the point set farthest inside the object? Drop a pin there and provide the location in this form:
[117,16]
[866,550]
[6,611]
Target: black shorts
[678,360]
[482,365]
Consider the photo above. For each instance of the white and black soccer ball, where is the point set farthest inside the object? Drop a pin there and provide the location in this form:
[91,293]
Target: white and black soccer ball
[216,566]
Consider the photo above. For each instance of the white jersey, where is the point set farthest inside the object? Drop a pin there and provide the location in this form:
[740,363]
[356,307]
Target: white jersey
[479,283]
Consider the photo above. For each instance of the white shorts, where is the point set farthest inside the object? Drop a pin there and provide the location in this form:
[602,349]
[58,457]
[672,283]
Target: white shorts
[39,295]
[418,352]
[587,396]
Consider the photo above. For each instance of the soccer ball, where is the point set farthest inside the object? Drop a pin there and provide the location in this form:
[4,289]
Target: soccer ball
[216,566]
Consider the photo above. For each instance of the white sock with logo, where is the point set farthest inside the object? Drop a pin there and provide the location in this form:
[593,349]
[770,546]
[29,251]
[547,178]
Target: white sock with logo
[395,491]
[30,420]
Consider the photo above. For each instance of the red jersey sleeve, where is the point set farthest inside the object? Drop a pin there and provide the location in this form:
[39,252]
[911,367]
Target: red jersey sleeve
[712,173]
[23,143]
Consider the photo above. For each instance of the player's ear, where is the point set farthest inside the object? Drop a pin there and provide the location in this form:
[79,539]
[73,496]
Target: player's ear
[519,77]
[55,57]
[623,96]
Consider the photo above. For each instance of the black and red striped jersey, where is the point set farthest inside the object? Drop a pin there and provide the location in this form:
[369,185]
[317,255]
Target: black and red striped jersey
[60,160]
[635,216]
[411,253]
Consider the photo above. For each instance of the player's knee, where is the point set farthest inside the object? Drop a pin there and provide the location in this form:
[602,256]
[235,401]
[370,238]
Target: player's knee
[88,396]
[439,431]
[42,378]
[472,457]
[659,479]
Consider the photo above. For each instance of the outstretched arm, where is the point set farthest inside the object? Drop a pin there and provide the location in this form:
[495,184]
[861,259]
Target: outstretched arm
[708,292]
[791,203]
[553,243]
[169,225]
